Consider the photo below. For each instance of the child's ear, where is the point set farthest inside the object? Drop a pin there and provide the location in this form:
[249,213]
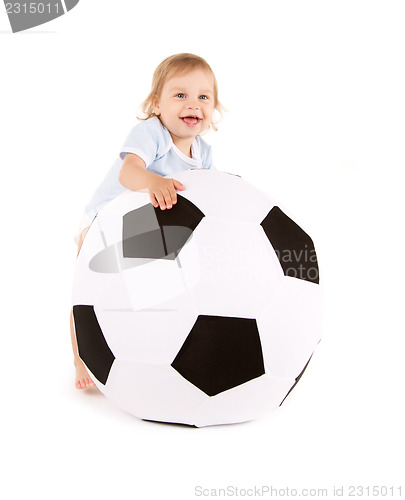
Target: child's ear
[155,104]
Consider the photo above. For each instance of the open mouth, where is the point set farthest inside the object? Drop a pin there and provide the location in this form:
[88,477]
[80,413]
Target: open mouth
[191,120]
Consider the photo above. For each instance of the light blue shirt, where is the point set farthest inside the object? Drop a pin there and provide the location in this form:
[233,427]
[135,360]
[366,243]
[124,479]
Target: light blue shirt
[151,141]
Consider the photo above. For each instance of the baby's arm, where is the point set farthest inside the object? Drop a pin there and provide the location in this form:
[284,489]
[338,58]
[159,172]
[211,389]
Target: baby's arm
[81,238]
[162,191]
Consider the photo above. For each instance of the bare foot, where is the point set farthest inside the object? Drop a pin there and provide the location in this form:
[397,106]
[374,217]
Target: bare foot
[83,380]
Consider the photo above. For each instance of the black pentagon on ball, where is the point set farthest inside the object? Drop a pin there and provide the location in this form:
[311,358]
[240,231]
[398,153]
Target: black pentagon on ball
[92,346]
[152,233]
[293,246]
[220,353]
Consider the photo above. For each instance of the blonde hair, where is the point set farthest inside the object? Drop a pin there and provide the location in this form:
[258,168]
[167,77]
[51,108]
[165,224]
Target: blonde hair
[179,64]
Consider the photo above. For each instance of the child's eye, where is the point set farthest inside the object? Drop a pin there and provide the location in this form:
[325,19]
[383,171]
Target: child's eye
[203,97]
[180,95]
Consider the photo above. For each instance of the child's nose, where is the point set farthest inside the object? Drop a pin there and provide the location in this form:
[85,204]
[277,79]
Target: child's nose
[193,105]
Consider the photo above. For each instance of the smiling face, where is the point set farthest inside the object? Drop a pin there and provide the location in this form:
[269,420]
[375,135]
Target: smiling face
[185,106]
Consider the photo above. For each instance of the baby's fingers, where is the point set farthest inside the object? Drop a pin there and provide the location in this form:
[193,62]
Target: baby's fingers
[165,199]
[178,185]
[153,200]
[170,198]
[160,199]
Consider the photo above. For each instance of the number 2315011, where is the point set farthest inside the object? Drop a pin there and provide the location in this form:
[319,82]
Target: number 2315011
[32,8]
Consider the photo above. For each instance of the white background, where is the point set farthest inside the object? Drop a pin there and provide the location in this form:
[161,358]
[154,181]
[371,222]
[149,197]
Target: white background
[315,98]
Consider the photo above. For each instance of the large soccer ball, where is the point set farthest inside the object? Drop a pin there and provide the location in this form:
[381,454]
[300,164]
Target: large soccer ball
[207,313]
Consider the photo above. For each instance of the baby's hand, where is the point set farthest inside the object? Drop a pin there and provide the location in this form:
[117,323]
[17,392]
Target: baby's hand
[162,192]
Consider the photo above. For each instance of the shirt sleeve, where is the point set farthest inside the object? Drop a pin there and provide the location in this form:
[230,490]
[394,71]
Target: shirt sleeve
[148,139]
[206,154]
[107,190]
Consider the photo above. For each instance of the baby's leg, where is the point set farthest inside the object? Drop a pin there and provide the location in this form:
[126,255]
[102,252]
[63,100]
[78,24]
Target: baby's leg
[83,380]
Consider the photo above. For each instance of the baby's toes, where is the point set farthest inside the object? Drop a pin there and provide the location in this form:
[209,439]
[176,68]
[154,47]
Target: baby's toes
[89,383]
[83,383]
